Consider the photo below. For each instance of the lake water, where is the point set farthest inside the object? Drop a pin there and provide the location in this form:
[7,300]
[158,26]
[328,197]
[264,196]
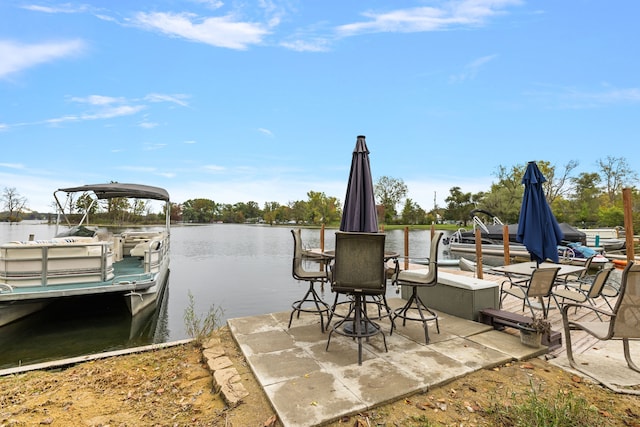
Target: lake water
[243,269]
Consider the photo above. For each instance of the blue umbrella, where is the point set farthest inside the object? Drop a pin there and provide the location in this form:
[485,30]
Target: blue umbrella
[538,229]
[359,212]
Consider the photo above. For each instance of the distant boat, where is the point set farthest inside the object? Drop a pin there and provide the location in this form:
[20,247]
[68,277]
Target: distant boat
[81,261]
[608,239]
[467,265]
[492,236]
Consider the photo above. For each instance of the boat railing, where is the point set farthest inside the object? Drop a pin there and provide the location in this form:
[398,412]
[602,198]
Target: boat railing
[44,263]
[477,223]
[154,256]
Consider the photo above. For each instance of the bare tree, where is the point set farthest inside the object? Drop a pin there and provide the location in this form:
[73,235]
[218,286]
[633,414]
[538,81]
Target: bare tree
[13,202]
[558,184]
[616,174]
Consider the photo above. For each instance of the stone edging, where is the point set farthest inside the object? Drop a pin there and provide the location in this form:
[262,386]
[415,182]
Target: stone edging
[226,378]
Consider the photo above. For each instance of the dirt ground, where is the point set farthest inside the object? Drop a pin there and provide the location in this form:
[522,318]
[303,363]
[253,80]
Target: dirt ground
[173,387]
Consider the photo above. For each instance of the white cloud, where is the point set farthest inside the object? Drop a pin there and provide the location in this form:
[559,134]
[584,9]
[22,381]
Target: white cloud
[12,165]
[572,98]
[147,125]
[152,147]
[420,19]
[106,113]
[61,8]
[16,57]
[98,100]
[214,168]
[219,31]
[211,4]
[265,131]
[471,70]
[316,45]
[160,97]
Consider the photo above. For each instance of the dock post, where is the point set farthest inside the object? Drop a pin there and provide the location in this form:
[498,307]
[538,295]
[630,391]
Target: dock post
[479,274]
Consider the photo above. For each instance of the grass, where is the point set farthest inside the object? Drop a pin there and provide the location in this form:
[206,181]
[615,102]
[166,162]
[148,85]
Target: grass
[536,410]
[198,327]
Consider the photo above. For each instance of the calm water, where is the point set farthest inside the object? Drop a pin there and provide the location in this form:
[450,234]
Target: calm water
[243,269]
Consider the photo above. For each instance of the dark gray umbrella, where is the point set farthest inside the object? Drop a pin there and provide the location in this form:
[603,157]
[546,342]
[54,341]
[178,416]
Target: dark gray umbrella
[359,212]
[538,229]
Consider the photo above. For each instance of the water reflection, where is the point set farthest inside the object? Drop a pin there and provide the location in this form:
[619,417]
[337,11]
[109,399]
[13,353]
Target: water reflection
[83,326]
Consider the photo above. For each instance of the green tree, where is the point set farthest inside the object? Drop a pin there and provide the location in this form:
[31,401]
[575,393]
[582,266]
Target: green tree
[389,192]
[199,210]
[270,211]
[412,213]
[459,205]
[298,210]
[585,199]
[505,197]
[321,209]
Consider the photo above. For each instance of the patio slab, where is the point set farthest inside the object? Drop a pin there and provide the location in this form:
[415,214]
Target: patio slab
[309,385]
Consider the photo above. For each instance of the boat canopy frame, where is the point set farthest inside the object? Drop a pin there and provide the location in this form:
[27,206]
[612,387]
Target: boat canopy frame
[115,190]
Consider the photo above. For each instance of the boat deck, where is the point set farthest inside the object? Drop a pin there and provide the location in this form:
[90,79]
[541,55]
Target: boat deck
[127,267]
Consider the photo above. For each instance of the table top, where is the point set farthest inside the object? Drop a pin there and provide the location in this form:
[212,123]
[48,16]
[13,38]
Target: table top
[526,268]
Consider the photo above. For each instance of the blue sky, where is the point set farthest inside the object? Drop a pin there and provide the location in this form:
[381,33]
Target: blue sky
[240,101]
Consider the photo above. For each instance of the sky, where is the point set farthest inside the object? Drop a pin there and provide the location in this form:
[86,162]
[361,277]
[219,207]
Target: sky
[263,100]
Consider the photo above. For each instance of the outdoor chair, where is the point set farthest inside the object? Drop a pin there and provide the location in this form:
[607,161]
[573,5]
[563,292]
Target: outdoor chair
[311,302]
[583,275]
[608,291]
[358,271]
[582,293]
[539,285]
[623,323]
[415,309]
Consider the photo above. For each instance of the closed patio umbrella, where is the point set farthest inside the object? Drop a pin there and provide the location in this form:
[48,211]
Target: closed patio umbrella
[359,212]
[538,229]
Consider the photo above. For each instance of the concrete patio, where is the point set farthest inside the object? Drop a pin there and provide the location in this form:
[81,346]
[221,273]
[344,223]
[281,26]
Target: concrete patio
[308,385]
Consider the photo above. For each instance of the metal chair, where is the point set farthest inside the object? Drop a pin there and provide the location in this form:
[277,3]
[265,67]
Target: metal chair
[583,275]
[580,293]
[311,302]
[539,285]
[358,271]
[623,324]
[418,280]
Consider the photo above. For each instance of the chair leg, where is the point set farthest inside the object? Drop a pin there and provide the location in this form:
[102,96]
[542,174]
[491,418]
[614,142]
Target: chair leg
[420,306]
[310,297]
[567,338]
[627,355]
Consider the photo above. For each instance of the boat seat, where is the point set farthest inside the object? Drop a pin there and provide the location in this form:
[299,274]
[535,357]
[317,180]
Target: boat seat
[139,249]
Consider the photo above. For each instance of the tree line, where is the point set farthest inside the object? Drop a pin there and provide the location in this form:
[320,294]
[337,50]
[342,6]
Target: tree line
[587,199]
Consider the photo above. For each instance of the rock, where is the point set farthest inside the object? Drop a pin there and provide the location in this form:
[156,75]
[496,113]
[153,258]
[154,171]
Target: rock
[213,352]
[219,363]
[228,383]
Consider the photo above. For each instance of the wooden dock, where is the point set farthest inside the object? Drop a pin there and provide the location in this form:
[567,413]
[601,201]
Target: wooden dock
[581,341]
